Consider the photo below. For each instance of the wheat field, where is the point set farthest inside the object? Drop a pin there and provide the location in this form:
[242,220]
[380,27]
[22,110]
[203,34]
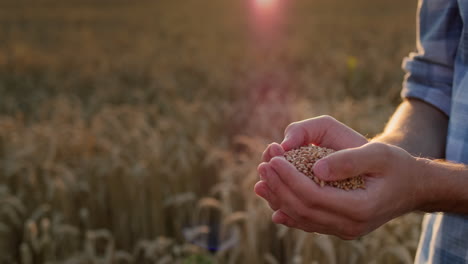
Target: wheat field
[130,131]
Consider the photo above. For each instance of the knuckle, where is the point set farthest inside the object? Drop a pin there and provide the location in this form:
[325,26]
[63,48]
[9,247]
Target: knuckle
[347,167]
[327,118]
[330,122]
[375,145]
[384,149]
[291,127]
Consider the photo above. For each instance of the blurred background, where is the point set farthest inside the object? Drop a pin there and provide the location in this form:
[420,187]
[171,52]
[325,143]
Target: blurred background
[130,131]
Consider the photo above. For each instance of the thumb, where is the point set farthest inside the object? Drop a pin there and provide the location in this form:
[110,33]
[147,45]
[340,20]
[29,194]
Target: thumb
[295,136]
[292,140]
[348,163]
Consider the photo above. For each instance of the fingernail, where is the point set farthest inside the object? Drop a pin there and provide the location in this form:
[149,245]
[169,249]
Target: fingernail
[321,169]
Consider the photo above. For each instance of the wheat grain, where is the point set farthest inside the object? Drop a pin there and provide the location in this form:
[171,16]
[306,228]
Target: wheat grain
[304,158]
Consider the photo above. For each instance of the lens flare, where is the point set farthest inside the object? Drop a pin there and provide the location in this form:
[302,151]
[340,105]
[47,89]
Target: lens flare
[265,16]
[265,3]
[265,6]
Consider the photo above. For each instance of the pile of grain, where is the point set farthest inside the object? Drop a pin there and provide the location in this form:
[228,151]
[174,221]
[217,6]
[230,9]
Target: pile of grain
[304,158]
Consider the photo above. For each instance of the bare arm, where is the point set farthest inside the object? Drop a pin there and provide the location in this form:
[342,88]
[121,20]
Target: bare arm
[417,127]
[421,129]
[444,186]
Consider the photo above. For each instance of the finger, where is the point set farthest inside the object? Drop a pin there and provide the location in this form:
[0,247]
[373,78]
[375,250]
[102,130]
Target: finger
[304,208]
[322,131]
[262,190]
[278,194]
[280,217]
[348,163]
[282,197]
[296,181]
[295,135]
[274,149]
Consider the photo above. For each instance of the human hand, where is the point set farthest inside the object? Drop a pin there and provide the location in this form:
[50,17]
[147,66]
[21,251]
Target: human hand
[392,186]
[324,131]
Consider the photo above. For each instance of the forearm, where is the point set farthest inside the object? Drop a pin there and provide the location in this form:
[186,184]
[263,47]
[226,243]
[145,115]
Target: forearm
[421,129]
[417,127]
[443,186]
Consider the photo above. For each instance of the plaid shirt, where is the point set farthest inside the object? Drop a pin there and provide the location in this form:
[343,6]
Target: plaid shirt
[438,74]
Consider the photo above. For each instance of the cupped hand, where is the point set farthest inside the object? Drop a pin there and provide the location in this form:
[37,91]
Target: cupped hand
[392,186]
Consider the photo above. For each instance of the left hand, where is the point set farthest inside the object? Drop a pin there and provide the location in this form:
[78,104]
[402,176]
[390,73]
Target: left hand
[393,188]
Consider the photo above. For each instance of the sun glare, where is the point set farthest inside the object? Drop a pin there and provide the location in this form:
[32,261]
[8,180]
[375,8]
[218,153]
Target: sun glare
[266,16]
[265,3]
[266,7]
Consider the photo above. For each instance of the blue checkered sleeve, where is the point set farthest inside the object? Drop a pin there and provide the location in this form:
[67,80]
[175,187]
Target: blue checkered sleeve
[438,74]
[430,70]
